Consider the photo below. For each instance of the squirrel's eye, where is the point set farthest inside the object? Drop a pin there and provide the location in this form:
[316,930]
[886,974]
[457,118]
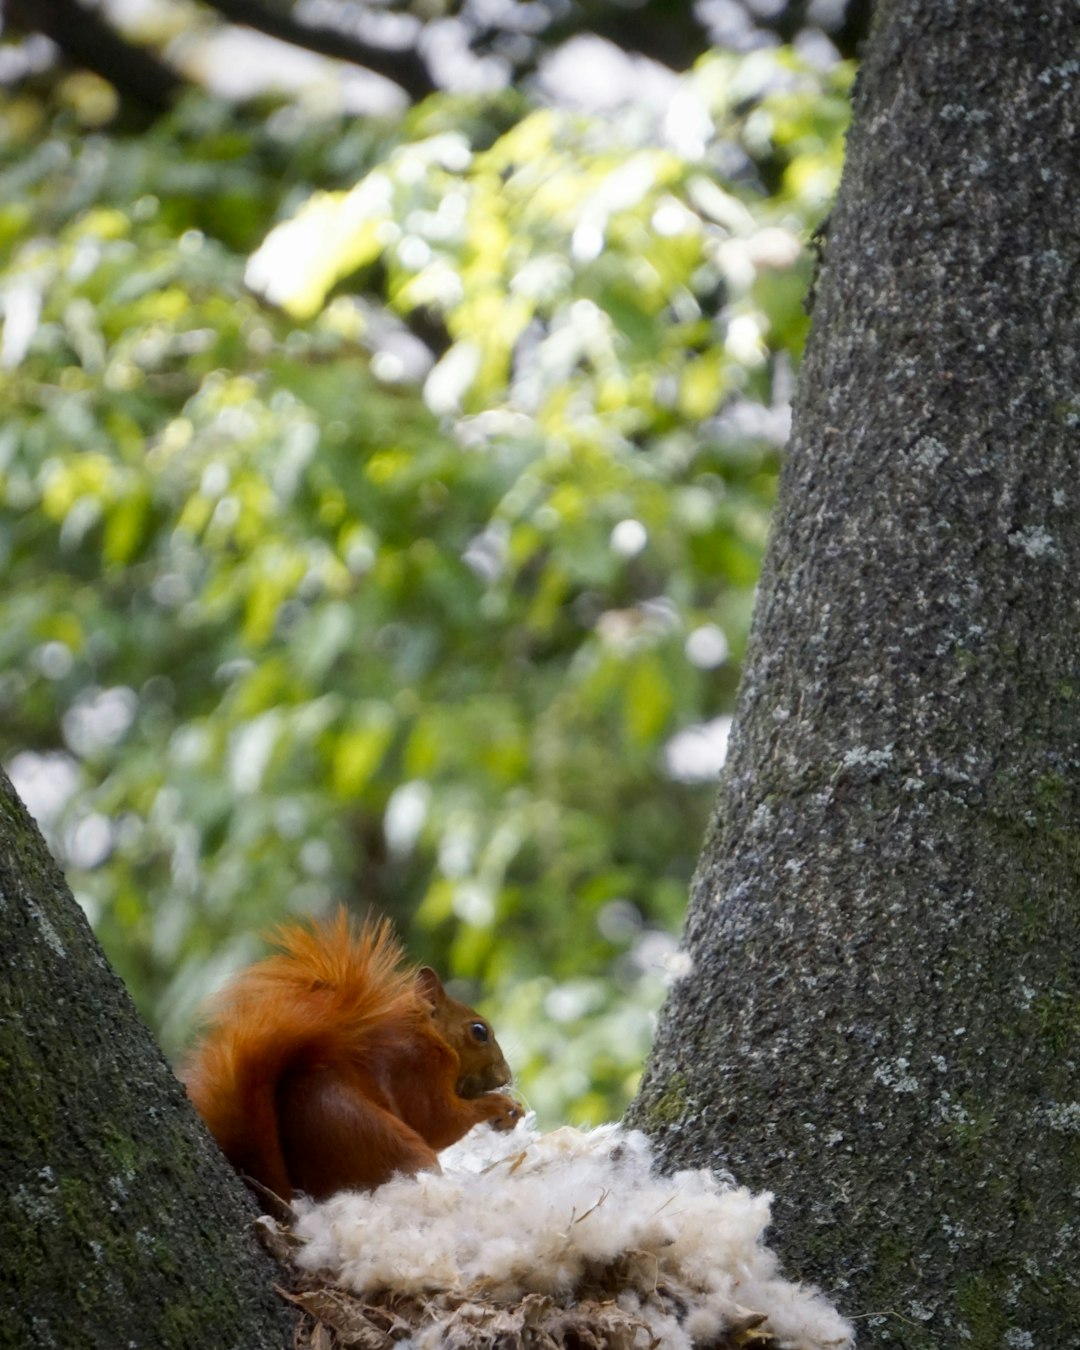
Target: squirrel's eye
[479,1033]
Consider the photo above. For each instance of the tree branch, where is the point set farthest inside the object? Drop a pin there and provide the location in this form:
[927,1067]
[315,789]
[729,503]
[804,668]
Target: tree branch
[405,67]
[84,37]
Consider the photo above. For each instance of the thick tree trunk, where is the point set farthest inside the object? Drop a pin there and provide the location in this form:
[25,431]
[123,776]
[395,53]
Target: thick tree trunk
[121,1224]
[881,1024]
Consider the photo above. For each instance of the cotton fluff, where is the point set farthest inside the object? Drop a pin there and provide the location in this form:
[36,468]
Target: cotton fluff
[518,1215]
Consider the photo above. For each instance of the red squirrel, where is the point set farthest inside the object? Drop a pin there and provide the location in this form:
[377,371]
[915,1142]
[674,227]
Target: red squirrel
[332,1065]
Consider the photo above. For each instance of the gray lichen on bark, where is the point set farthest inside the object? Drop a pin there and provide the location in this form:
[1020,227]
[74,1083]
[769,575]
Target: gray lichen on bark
[121,1224]
[882,1021]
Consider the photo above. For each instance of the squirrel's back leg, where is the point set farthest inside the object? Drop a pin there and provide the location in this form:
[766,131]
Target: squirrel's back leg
[334,1136]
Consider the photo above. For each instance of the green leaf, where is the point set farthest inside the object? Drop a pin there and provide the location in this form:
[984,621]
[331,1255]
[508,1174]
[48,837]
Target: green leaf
[360,748]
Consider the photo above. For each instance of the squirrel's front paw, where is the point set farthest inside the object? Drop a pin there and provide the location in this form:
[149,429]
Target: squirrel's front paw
[504,1112]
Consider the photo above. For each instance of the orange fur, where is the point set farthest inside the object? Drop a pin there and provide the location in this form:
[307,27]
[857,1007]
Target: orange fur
[333,1065]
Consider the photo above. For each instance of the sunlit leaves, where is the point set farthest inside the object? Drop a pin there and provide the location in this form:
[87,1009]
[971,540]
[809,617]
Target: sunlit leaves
[395,580]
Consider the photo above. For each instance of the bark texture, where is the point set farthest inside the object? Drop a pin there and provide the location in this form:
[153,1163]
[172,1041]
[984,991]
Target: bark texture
[882,1021]
[121,1225]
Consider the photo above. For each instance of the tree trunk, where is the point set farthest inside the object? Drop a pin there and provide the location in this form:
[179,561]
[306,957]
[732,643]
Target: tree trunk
[881,1022]
[121,1223]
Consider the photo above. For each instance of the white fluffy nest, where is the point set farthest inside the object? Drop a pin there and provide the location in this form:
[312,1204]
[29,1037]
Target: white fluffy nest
[549,1241]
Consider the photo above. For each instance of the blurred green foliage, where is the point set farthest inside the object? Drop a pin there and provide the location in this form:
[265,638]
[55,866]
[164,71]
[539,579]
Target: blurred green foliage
[379,501]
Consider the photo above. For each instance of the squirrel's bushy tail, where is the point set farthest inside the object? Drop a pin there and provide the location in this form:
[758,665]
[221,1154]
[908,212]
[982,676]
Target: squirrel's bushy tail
[321,998]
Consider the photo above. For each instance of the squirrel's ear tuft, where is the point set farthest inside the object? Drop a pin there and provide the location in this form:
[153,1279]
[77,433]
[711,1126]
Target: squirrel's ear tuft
[429,986]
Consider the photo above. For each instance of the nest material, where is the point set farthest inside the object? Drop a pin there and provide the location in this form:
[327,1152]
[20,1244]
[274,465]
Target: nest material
[337,1320]
[567,1241]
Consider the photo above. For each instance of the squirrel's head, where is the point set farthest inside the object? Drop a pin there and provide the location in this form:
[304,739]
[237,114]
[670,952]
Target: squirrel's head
[482,1064]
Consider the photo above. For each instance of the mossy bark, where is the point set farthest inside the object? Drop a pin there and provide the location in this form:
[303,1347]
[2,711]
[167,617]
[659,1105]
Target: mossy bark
[121,1224]
[883,1017]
